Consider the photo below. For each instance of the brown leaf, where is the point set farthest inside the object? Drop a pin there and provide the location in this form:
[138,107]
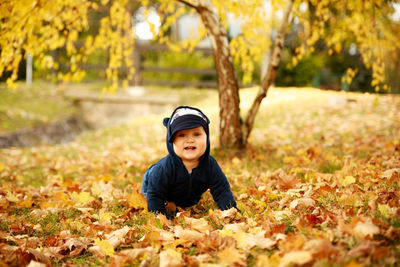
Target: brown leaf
[302,203]
[285,181]
[365,248]
[321,248]
[129,255]
[74,246]
[117,237]
[189,235]
[200,225]
[15,256]
[215,242]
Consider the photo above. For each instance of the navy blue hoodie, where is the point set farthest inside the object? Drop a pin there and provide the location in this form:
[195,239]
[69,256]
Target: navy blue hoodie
[169,181]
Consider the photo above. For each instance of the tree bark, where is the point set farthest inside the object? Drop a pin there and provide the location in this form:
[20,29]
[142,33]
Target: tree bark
[228,88]
[269,77]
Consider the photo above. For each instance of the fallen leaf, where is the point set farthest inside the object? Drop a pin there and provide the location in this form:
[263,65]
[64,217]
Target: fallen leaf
[384,210]
[348,180]
[75,246]
[230,213]
[189,235]
[11,197]
[230,256]
[235,227]
[137,200]
[105,216]
[117,237]
[321,248]
[170,258]
[82,197]
[264,260]
[258,240]
[365,248]
[285,181]
[129,255]
[200,225]
[365,229]
[389,173]
[302,202]
[296,257]
[103,247]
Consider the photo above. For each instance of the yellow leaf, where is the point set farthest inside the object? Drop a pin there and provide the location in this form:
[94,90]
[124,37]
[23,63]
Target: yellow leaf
[384,210]
[264,260]
[230,256]
[105,246]
[26,203]
[236,161]
[82,197]
[2,166]
[105,216]
[75,225]
[11,197]
[137,200]
[348,180]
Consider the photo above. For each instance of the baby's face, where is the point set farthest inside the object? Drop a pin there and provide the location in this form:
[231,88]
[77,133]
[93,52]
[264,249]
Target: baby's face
[190,144]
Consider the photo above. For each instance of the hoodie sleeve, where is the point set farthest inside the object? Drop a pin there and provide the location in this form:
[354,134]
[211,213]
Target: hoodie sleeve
[220,188]
[157,188]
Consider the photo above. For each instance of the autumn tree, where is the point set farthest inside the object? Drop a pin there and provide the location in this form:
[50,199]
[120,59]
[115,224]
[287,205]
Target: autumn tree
[41,26]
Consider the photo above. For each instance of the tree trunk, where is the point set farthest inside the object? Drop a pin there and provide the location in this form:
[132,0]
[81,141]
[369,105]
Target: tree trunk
[228,88]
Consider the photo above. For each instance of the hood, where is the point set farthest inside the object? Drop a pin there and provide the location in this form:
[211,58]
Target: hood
[170,147]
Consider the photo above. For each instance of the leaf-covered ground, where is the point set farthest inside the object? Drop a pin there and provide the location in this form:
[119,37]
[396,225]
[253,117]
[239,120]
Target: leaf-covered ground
[318,186]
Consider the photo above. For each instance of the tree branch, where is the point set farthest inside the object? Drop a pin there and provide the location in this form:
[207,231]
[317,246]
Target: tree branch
[188,3]
[271,72]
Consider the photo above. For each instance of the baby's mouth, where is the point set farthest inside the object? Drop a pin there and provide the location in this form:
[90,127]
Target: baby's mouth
[190,148]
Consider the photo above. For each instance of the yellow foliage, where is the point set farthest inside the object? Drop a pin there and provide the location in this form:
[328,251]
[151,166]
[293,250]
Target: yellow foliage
[346,181]
[105,247]
[137,200]
[384,210]
[82,197]
[230,256]
[11,197]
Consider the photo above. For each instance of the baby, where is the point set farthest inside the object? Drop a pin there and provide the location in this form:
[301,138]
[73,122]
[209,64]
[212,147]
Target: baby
[188,170]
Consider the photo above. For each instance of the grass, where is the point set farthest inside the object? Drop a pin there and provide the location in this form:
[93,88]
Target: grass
[31,105]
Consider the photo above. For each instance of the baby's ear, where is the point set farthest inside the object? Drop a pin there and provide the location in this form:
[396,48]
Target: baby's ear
[165,122]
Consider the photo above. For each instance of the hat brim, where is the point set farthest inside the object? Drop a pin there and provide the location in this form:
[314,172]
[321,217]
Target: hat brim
[186,124]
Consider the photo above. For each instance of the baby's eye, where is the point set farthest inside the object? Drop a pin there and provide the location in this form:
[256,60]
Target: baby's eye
[181,135]
[197,134]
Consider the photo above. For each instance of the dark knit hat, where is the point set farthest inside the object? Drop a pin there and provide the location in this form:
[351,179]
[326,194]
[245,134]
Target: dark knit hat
[187,118]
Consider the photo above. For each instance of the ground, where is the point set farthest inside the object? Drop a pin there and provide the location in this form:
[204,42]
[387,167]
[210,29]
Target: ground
[318,185]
